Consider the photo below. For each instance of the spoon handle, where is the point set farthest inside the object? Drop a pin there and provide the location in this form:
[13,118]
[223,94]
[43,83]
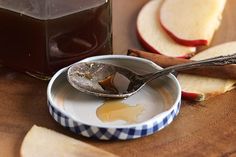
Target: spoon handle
[216,61]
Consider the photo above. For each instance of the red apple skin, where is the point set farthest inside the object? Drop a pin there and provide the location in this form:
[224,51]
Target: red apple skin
[193,96]
[145,44]
[190,43]
[151,49]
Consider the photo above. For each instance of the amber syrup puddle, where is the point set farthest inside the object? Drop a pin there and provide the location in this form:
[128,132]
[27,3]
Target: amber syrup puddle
[113,110]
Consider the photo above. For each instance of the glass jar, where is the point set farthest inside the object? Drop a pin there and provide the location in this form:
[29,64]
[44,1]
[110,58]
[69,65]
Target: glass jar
[41,36]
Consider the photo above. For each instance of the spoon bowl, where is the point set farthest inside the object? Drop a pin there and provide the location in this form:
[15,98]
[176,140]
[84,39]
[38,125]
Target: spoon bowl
[104,80]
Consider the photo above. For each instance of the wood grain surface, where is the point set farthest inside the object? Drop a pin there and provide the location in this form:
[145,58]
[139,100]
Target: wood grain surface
[201,129]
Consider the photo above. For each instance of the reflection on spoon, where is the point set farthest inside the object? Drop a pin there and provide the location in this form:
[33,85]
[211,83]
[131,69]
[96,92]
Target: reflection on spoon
[115,83]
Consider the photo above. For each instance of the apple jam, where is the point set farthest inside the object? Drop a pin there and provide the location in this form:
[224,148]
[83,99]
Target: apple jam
[40,45]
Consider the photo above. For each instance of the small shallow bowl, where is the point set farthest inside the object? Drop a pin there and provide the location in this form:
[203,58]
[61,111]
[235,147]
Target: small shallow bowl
[76,111]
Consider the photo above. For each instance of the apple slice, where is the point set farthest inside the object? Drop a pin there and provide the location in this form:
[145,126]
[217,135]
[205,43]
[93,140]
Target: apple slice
[153,37]
[200,88]
[191,22]
[42,142]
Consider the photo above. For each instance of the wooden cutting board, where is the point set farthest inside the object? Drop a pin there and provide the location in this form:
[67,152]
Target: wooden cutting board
[201,129]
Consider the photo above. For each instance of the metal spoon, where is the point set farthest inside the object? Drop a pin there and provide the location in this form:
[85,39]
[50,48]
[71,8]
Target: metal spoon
[106,80]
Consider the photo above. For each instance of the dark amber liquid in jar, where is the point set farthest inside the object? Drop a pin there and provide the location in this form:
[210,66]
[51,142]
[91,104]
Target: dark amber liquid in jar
[43,46]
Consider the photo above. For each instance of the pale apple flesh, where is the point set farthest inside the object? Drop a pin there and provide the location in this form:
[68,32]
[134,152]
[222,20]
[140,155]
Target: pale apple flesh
[42,142]
[206,87]
[191,22]
[198,42]
[154,38]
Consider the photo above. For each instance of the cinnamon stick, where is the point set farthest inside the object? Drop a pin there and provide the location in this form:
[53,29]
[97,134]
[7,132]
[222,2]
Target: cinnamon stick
[225,72]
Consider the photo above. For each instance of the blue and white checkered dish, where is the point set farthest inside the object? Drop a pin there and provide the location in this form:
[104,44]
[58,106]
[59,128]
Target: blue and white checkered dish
[112,133]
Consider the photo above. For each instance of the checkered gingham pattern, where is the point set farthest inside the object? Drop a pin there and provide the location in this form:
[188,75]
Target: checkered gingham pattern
[114,133]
